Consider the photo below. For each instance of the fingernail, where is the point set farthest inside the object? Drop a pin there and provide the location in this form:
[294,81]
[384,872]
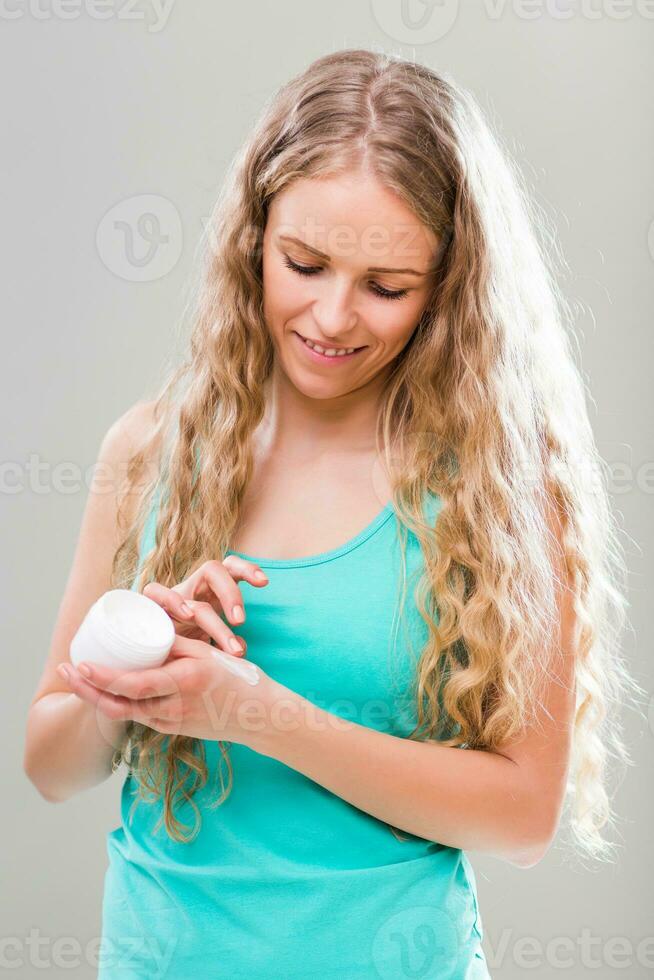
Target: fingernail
[64,672]
[186,609]
[236,645]
[260,575]
[238,614]
[84,669]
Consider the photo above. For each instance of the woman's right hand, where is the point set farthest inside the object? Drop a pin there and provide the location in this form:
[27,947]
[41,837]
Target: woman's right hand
[196,603]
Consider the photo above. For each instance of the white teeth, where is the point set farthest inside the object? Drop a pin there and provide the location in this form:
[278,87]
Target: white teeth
[329,351]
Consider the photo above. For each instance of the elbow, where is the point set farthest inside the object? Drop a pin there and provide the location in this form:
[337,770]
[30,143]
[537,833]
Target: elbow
[50,797]
[534,845]
[44,791]
[528,858]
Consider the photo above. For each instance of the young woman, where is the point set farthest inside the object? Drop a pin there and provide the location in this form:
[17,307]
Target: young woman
[411,540]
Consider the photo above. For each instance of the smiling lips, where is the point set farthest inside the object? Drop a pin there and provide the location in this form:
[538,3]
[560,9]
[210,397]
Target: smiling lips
[327,353]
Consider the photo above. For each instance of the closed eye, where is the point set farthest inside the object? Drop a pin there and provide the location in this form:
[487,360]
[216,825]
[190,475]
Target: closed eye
[312,270]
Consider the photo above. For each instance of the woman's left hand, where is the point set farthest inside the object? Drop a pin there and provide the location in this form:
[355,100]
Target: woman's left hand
[191,694]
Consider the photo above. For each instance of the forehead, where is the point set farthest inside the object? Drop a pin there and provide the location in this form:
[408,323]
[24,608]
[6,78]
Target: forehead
[350,215]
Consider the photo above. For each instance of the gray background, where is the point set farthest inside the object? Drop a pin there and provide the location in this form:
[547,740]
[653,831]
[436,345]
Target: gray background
[98,113]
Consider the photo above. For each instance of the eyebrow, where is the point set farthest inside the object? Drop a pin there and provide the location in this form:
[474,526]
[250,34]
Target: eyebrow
[321,255]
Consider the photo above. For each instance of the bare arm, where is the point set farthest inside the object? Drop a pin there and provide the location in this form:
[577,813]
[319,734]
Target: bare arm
[69,746]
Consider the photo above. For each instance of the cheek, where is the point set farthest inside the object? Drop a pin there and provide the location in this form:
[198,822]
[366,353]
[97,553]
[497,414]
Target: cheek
[283,295]
[395,326]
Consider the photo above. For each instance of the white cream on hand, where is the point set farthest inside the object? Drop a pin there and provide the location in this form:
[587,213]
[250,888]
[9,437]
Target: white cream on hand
[241,668]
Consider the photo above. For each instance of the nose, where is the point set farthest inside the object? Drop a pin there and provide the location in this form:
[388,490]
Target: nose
[334,313]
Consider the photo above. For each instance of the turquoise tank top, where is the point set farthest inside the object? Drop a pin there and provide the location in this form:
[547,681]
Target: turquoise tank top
[285,879]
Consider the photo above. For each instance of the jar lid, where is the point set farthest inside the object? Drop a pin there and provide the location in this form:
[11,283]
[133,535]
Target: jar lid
[137,624]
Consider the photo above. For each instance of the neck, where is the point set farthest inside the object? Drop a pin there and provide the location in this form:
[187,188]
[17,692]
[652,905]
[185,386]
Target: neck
[304,428]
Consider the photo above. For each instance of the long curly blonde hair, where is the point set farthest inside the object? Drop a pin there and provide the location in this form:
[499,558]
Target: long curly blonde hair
[484,407]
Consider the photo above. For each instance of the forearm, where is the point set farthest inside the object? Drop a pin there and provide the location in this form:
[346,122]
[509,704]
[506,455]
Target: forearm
[69,745]
[463,798]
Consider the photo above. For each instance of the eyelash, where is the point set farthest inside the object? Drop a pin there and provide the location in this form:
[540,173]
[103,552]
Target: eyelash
[310,270]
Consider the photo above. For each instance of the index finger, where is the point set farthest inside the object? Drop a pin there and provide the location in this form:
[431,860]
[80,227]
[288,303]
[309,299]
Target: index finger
[221,578]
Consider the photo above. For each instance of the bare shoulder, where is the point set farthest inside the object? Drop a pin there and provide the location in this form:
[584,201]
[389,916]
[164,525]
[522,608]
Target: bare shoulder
[131,432]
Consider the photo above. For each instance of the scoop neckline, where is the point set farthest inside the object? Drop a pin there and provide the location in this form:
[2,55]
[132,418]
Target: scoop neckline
[322,556]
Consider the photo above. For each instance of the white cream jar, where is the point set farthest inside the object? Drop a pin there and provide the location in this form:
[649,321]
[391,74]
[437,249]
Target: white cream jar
[124,629]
